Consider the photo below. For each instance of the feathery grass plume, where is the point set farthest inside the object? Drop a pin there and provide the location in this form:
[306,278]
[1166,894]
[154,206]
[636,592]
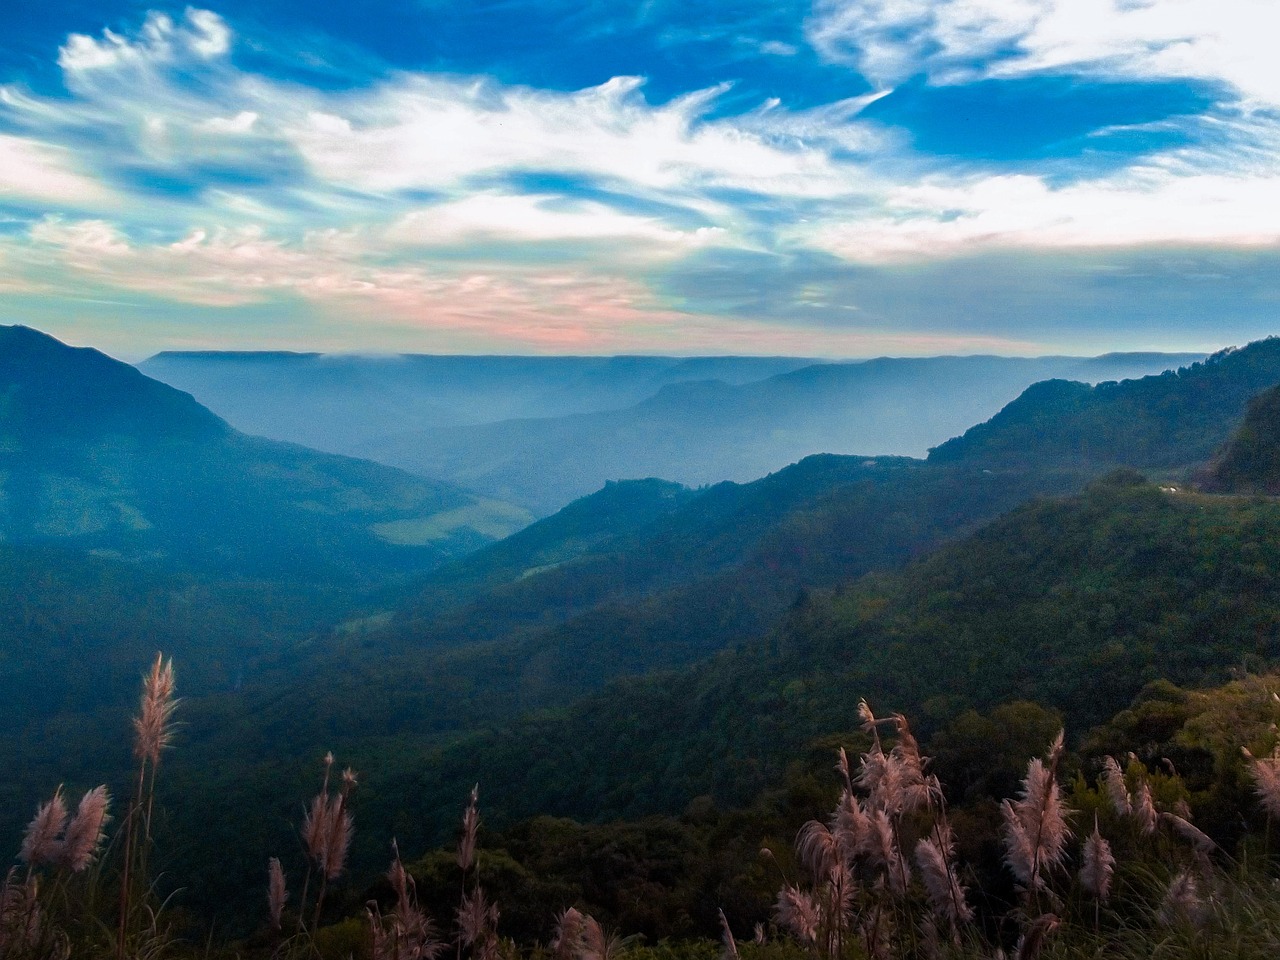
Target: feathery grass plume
[338,841]
[850,825]
[1098,865]
[1182,903]
[277,892]
[869,721]
[1144,809]
[41,843]
[797,911]
[934,856]
[1266,780]
[408,934]
[1037,933]
[152,729]
[470,828]
[881,846]
[1189,832]
[85,832]
[476,917]
[570,927]
[842,765]
[759,937]
[152,734]
[20,916]
[1035,826]
[730,951]
[315,827]
[1117,790]
[876,775]
[819,850]
[597,944]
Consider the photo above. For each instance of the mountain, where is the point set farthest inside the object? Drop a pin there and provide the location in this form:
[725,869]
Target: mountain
[97,457]
[1178,418]
[707,431]
[545,431]
[343,404]
[1073,603]
[1250,462]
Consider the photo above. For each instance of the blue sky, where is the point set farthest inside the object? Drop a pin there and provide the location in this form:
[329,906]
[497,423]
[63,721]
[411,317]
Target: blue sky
[835,177]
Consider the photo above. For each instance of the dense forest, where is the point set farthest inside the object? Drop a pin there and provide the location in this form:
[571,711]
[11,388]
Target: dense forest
[663,692]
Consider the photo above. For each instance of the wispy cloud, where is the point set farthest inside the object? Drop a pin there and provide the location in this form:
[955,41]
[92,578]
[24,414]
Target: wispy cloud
[1225,41]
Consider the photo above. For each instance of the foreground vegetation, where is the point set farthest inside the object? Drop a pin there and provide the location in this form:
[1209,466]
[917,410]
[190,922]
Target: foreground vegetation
[1154,837]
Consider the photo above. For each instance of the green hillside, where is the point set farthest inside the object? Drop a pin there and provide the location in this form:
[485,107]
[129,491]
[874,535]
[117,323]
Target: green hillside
[1074,603]
[1178,418]
[1250,461]
[96,457]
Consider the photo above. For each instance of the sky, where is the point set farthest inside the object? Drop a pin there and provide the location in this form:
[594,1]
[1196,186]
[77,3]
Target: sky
[842,178]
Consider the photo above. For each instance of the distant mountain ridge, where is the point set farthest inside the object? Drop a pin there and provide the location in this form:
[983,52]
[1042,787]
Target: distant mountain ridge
[703,432]
[95,456]
[692,420]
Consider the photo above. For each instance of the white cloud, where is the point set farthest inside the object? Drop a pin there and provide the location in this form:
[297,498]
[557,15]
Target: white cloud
[528,217]
[45,173]
[430,132]
[1148,206]
[161,40]
[1229,41]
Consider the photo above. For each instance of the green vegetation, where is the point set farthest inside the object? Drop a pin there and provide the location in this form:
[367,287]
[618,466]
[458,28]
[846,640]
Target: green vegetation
[1173,420]
[1250,463]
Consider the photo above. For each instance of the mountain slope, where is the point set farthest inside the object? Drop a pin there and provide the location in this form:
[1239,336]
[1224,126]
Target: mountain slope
[1073,603]
[1250,462]
[97,457]
[1175,419]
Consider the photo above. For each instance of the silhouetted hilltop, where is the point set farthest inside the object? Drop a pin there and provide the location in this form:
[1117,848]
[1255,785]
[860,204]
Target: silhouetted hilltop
[1250,462]
[52,391]
[1177,418]
[96,456]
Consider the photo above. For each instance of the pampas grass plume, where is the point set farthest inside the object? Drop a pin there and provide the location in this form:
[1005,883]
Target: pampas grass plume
[1117,790]
[152,725]
[85,832]
[277,893]
[1098,865]
[40,843]
[470,828]
[1266,780]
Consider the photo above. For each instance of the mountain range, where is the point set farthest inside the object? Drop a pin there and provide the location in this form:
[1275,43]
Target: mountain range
[490,423]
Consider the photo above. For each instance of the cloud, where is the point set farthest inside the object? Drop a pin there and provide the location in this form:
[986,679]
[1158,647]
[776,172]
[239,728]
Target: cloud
[1221,41]
[533,218]
[1145,206]
[431,132]
[45,174]
[202,33]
